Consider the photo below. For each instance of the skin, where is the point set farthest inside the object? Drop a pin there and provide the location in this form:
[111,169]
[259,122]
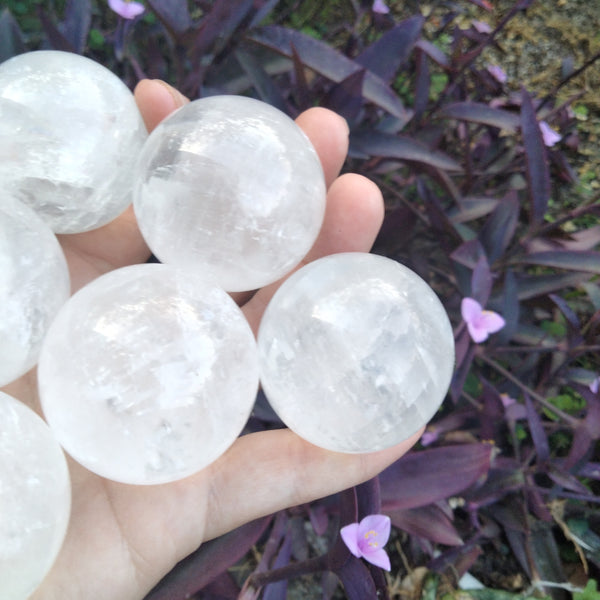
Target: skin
[123,539]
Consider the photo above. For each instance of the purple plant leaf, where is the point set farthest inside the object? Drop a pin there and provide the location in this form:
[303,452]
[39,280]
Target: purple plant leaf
[301,88]
[356,579]
[205,564]
[565,480]
[531,286]
[422,83]
[469,254]
[11,36]
[491,416]
[319,518]
[499,229]
[421,478]
[346,97]
[428,521]
[498,484]
[538,171]
[373,143]
[330,63]
[536,429]
[573,324]
[481,281]
[265,8]
[472,208]
[56,38]
[278,589]
[385,56]
[476,112]
[463,368]
[223,587]
[262,82]
[434,53]
[588,262]
[368,498]
[339,553]
[174,15]
[76,24]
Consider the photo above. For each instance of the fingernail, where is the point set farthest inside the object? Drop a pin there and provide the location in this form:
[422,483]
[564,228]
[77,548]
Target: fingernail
[177,96]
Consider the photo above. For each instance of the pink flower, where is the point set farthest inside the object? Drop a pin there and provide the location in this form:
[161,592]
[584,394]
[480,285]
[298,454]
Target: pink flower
[595,385]
[482,26]
[367,539]
[480,322]
[126,8]
[379,6]
[497,73]
[550,136]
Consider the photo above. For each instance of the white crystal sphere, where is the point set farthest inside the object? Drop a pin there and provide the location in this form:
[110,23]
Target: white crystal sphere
[35,499]
[70,133]
[356,352]
[232,187]
[148,374]
[34,284]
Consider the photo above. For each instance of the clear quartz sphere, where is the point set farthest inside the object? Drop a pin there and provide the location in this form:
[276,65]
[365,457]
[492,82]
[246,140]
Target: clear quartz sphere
[148,374]
[35,499]
[356,352]
[34,284]
[232,187]
[70,133]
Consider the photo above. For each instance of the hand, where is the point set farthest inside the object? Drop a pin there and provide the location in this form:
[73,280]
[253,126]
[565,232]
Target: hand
[123,539]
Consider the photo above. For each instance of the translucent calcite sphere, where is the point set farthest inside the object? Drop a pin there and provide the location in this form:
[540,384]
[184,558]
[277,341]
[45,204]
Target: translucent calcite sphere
[148,374]
[70,133]
[232,187]
[356,352]
[35,499]
[34,284]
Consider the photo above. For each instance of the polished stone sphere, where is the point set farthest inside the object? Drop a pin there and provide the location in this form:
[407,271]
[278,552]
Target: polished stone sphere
[34,284]
[356,352]
[232,187]
[35,499]
[148,374]
[70,133]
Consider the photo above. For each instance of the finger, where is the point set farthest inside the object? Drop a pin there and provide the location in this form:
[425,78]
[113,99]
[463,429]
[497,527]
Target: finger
[269,471]
[353,217]
[328,133]
[156,100]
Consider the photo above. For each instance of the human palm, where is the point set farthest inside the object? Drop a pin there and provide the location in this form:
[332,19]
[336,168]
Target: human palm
[123,539]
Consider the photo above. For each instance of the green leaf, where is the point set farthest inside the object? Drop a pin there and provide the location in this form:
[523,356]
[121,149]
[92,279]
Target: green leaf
[589,593]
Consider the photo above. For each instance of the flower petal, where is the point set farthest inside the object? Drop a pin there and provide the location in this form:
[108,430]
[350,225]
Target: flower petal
[550,136]
[379,558]
[127,10]
[349,535]
[381,524]
[478,334]
[379,6]
[491,321]
[470,310]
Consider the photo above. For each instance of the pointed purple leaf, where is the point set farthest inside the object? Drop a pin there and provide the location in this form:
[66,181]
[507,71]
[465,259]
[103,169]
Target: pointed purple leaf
[509,308]
[588,262]
[357,580]
[56,37]
[426,521]
[385,56]
[531,286]
[206,563]
[11,36]
[346,97]
[278,589]
[491,416]
[174,15]
[499,229]
[330,63]
[368,497]
[481,281]
[538,171]
[424,477]
[76,24]
[472,208]
[476,112]
[373,143]
[265,86]
[572,319]
[536,428]
[469,254]
[434,53]
[462,344]
[460,375]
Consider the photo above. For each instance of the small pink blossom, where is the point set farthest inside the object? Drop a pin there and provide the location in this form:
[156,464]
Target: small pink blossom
[379,6]
[482,26]
[429,436]
[498,73]
[507,400]
[367,539]
[550,136]
[595,385]
[480,322]
[126,8]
